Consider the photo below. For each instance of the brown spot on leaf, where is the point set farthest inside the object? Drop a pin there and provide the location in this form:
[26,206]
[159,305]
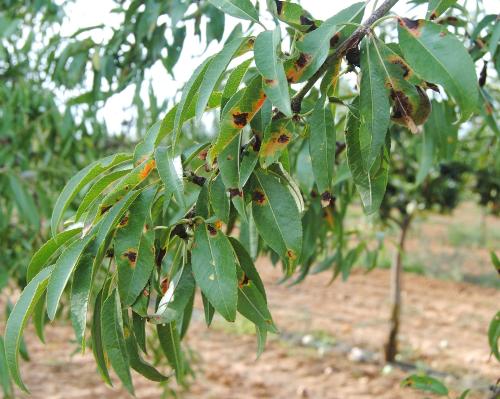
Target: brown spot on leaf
[443,33]
[402,106]
[180,231]
[259,197]
[412,25]
[212,230]
[326,198]
[334,39]
[302,61]
[433,15]
[432,86]
[159,256]
[164,285]
[131,255]
[244,280]
[291,254]
[279,6]
[240,119]
[123,221]
[283,139]
[397,60]
[235,192]
[271,82]
[150,165]
[257,142]
[104,209]
[203,154]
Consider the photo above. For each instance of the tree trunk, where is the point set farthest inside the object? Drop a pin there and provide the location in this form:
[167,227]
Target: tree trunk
[391,346]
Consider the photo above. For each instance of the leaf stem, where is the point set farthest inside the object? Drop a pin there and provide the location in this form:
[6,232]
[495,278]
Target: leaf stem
[346,45]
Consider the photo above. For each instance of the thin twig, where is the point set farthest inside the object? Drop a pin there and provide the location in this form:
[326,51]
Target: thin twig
[351,42]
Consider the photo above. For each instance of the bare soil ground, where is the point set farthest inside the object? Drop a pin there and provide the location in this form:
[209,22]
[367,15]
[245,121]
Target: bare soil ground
[331,336]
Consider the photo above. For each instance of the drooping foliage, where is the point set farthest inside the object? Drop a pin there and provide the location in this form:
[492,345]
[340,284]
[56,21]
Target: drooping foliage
[184,213]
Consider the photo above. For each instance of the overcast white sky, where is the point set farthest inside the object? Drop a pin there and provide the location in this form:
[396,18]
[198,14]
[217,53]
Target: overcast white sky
[84,13]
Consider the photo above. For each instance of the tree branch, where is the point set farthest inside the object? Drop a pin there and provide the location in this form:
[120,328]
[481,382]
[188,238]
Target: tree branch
[346,45]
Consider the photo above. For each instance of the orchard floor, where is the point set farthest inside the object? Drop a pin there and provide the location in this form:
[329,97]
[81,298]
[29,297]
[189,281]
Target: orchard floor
[331,335]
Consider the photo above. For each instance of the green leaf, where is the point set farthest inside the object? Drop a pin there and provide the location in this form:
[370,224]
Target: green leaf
[261,340]
[174,301]
[191,87]
[494,335]
[133,248]
[243,9]
[277,137]
[139,328]
[63,269]
[96,335]
[170,175]
[80,295]
[276,217]
[252,305]
[424,383]
[47,250]
[233,82]
[426,156]
[214,269]
[267,50]
[17,321]
[114,341]
[171,345]
[208,310]
[215,70]
[370,183]
[439,57]
[322,146]
[77,182]
[219,199]
[495,261]
[25,203]
[136,361]
[315,45]
[97,188]
[4,372]
[373,102]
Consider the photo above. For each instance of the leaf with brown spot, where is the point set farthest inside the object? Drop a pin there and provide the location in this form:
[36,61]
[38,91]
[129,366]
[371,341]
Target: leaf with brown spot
[266,51]
[276,216]
[276,139]
[134,255]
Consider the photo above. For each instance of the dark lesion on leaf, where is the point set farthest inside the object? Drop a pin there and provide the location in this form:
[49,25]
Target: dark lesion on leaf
[302,61]
[123,221]
[235,192]
[240,119]
[159,256]
[211,230]
[243,281]
[259,197]
[402,106]
[131,255]
[306,21]
[279,6]
[270,82]
[326,199]
[283,138]
[165,283]
[396,60]
[291,254]
[180,231]
[104,209]
[411,24]
[334,39]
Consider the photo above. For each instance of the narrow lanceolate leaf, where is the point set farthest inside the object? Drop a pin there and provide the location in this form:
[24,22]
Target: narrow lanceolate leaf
[277,217]
[315,45]
[215,70]
[47,250]
[134,248]
[114,341]
[17,321]
[267,51]
[438,7]
[170,343]
[233,82]
[25,203]
[251,304]
[208,310]
[373,102]
[80,295]
[494,335]
[277,136]
[292,14]
[425,383]
[77,182]
[322,146]
[219,199]
[63,269]
[370,183]
[135,359]
[239,113]
[214,269]
[243,9]
[97,346]
[97,188]
[170,175]
[439,57]
[191,87]
[4,372]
